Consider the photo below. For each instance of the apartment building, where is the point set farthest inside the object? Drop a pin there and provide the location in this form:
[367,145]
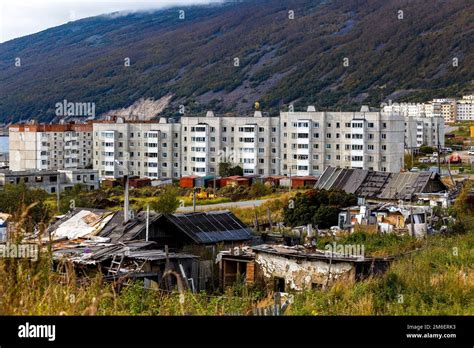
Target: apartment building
[447,108]
[253,142]
[50,147]
[424,131]
[424,123]
[465,108]
[138,148]
[312,141]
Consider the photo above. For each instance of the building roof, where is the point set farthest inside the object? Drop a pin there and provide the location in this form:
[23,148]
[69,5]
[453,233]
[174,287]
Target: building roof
[202,227]
[380,185]
[211,227]
[347,180]
[82,253]
[87,222]
[300,252]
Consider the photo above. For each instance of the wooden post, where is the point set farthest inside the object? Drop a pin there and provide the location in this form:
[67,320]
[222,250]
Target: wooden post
[269,218]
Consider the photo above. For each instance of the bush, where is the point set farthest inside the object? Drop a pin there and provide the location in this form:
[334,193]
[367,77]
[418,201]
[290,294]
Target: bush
[259,190]
[167,202]
[305,207]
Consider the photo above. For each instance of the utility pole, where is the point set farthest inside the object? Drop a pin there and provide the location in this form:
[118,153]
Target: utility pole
[439,148]
[194,200]
[58,186]
[214,184]
[126,200]
[147,222]
[126,212]
[289,189]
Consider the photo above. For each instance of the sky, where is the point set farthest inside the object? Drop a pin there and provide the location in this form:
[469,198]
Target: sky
[23,17]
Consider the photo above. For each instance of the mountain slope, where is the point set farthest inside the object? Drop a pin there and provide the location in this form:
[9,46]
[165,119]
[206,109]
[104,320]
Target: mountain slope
[281,60]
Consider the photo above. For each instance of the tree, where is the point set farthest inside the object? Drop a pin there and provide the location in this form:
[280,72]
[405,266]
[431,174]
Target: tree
[427,150]
[224,169]
[319,207]
[167,202]
[77,196]
[31,203]
[227,169]
[326,216]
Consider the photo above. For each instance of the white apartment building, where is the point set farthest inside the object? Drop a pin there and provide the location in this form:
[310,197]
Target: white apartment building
[312,141]
[294,143]
[50,147]
[253,142]
[465,108]
[424,123]
[424,131]
[137,148]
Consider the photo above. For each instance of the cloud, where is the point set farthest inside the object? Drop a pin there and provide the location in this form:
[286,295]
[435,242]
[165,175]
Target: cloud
[23,17]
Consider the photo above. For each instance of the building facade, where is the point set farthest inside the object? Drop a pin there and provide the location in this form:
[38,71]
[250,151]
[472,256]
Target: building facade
[251,142]
[296,143]
[465,108]
[52,181]
[292,144]
[312,141]
[424,131]
[137,148]
[50,147]
[424,123]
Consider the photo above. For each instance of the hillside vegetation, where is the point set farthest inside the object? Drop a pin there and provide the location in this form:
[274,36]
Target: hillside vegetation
[280,60]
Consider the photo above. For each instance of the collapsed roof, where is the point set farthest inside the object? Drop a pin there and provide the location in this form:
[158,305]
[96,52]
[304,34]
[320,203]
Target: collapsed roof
[380,185]
[201,228]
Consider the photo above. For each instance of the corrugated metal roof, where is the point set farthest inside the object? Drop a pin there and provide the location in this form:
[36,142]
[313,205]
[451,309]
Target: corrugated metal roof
[382,185]
[213,227]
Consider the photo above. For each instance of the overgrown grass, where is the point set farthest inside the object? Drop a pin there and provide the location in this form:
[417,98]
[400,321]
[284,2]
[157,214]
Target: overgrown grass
[376,244]
[438,280]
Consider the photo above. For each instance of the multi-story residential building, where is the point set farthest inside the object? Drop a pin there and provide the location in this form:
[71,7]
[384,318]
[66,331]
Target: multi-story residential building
[424,131]
[137,148]
[465,108]
[253,142]
[447,109]
[294,143]
[50,147]
[312,141]
[424,123]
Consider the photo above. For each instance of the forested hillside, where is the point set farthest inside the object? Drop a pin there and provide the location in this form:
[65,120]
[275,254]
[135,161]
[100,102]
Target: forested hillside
[330,53]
